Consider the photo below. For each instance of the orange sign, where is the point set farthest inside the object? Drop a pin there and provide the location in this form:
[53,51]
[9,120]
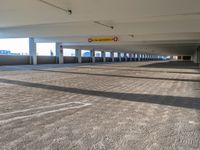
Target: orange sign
[108,39]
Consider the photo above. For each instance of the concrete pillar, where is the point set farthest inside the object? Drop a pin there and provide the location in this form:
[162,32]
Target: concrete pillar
[103,53]
[120,57]
[135,57]
[112,56]
[198,55]
[59,53]
[138,56]
[125,56]
[32,51]
[78,55]
[131,56]
[93,55]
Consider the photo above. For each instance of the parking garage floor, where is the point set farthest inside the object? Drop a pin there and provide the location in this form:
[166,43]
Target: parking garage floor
[124,106]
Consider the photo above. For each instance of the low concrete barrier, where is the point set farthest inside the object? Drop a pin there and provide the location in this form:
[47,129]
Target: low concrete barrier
[108,59]
[46,59]
[98,59]
[68,59]
[14,60]
[86,59]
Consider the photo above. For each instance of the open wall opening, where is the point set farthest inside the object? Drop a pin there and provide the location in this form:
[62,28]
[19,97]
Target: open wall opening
[14,51]
[46,53]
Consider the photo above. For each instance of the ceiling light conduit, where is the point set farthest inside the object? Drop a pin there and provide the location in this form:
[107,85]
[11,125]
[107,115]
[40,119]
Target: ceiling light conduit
[68,11]
[99,23]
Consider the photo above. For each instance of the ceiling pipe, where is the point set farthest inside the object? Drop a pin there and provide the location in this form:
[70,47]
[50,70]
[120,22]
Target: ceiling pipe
[68,11]
[99,23]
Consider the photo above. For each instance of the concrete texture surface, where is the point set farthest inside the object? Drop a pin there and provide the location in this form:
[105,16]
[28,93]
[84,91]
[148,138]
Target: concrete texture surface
[123,106]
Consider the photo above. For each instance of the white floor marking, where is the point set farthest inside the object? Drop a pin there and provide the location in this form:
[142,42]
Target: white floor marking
[38,108]
[44,113]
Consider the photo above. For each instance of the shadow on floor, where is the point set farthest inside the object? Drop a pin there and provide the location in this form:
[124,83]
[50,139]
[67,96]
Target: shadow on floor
[173,65]
[119,76]
[141,70]
[185,102]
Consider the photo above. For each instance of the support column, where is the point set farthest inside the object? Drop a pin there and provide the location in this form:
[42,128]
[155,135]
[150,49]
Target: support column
[112,56]
[198,55]
[93,55]
[134,58]
[125,56]
[78,55]
[103,53]
[138,56]
[32,51]
[59,53]
[131,56]
[141,57]
[120,57]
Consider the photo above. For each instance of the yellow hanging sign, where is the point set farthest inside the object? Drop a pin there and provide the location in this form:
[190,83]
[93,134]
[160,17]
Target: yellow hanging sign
[108,39]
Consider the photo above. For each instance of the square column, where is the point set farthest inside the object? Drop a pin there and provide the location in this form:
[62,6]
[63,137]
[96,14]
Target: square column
[120,57]
[135,59]
[198,55]
[32,51]
[112,56]
[59,53]
[103,53]
[125,56]
[93,55]
[78,55]
[139,55]
[131,56]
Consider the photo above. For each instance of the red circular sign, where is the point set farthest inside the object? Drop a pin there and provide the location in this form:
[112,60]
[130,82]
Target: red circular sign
[115,39]
[90,40]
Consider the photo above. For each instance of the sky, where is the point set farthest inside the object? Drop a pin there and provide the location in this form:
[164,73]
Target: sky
[15,45]
[21,45]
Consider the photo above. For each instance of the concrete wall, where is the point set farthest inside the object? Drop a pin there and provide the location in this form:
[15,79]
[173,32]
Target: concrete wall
[196,56]
[68,59]
[46,59]
[98,59]
[14,60]
[123,59]
[116,59]
[86,59]
[108,59]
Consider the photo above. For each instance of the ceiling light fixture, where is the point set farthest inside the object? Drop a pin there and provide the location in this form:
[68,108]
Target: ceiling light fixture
[97,22]
[68,11]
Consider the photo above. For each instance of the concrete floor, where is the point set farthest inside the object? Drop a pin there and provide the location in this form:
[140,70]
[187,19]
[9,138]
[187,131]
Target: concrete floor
[124,106]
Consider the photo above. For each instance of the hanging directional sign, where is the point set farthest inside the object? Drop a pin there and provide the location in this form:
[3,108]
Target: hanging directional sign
[105,39]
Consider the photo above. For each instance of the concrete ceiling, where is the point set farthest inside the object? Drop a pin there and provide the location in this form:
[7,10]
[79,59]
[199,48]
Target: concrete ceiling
[168,27]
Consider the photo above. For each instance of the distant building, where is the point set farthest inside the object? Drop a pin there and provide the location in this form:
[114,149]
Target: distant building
[8,52]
